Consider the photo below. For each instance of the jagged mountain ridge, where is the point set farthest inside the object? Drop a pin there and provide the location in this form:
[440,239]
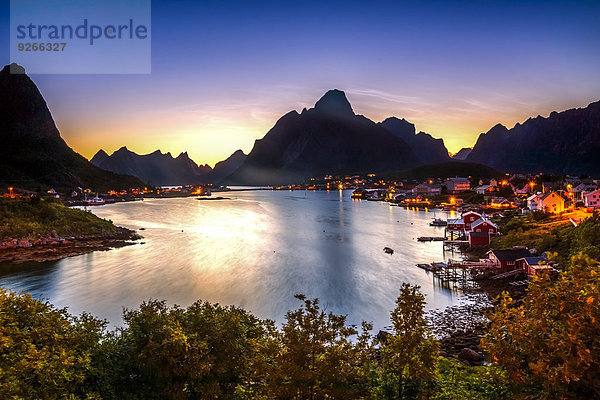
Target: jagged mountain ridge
[163,169]
[155,168]
[563,143]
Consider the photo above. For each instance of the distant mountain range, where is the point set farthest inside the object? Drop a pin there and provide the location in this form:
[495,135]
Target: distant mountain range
[329,138]
[155,168]
[564,143]
[32,153]
[160,169]
[326,139]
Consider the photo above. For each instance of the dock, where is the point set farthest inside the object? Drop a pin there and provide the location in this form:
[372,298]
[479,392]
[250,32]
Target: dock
[431,238]
[459,274]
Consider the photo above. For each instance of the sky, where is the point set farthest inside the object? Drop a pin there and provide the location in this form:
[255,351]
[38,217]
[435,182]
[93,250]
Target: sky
[223,72]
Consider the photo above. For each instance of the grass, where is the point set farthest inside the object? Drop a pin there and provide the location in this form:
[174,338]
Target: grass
[33,217]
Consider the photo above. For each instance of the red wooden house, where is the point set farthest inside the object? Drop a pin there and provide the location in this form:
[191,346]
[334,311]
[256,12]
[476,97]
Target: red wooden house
[470,217]
[481,233]
[484,225]
[478,238]
[534,265]
[506,259]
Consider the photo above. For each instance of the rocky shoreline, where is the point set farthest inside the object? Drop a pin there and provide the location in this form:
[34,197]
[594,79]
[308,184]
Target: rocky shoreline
[460,329]
[53,247]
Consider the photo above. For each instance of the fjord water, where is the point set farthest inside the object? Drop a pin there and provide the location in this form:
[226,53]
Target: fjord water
[255,250]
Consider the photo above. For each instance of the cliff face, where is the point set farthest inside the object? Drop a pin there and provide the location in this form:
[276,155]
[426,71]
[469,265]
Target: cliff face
[33,154]
[328,138]
[565,142]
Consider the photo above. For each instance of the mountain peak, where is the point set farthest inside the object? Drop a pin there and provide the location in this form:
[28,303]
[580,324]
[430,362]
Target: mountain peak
[13,68]
[335,102]
[123,149]
[99,157]
[399,127]
[31,144]
[498,128]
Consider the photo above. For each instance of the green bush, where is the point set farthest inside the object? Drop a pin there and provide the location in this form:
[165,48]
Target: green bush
[31,217]
[208,351]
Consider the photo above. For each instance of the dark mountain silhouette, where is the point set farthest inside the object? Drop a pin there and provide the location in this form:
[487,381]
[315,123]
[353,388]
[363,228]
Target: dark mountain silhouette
[565,142]
[155,168]
[226,167]
[448,169]
[462,154]
[328,138]
[426,147]
[32,152]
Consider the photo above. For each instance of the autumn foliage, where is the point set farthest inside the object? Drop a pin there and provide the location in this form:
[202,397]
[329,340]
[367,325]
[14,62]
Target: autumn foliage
[550,343]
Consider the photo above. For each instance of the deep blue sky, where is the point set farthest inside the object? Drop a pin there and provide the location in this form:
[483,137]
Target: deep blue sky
[224,71]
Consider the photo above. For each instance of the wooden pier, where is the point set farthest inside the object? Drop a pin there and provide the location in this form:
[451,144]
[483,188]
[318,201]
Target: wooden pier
[459,274]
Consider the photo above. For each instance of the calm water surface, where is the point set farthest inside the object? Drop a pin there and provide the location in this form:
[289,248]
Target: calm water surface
[255,250]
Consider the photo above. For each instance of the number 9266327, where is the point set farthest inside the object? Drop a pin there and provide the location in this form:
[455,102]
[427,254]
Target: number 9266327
[41,46]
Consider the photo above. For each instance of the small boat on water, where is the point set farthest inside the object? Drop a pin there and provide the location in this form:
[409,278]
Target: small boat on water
[438,222]
[433,267]
[388,250]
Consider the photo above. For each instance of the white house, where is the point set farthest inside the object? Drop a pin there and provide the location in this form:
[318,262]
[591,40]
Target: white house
[592,199]
[484,189]
[533,201]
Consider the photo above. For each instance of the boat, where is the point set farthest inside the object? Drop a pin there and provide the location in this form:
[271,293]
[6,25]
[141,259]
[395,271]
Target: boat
[359,194]
[426,267]
[438,222]
[433,267]
[94,201]
[388,250]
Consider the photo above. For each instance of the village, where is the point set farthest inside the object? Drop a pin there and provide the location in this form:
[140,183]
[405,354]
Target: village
[476,208]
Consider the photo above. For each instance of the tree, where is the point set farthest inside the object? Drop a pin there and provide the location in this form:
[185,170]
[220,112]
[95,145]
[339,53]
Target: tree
[317,359]
[205,351]
[410,354]
[549,344]
[44,352]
